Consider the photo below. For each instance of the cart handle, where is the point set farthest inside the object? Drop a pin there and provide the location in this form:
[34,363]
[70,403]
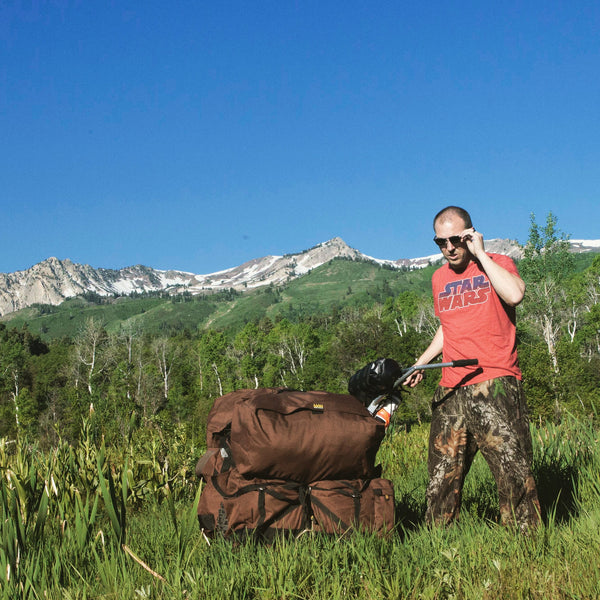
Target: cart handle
[463,362]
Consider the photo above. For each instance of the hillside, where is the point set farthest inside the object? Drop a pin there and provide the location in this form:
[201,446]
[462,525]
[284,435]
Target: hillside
[161,305]
[53,281]
[339,283]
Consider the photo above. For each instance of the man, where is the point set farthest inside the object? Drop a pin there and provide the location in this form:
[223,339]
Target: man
[483,407]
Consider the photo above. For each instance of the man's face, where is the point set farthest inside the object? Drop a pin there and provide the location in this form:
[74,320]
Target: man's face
[457,255]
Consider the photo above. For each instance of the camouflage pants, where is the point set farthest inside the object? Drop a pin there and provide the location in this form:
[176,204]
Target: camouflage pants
[492,417]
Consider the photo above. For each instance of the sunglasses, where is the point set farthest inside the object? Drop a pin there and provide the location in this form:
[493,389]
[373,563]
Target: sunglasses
[453,239]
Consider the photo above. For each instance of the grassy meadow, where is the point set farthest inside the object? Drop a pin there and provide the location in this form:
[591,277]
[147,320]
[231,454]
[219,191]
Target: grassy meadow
[85,521]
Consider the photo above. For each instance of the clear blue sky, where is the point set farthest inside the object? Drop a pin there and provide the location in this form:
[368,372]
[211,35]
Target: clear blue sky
[198,135]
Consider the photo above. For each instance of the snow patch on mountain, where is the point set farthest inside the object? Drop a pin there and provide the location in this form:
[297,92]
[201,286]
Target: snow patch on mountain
[585,245]
[52,281]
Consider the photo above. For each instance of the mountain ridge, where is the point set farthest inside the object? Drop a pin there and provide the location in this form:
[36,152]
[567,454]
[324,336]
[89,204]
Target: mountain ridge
[53,280]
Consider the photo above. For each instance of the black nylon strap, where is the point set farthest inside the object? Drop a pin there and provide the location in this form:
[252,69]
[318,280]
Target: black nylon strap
[264,523]
[335,518]
[228,460]
[253,487]
[269,522]
[263,489]
[351,492]
[261,507]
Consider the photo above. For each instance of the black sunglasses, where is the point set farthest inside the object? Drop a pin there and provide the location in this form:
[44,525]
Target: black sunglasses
[453,239]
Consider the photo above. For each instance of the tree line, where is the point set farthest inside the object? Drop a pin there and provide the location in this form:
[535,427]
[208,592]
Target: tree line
[132,379]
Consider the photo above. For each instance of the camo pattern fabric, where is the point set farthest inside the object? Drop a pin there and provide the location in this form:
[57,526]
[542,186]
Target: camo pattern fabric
[490,416]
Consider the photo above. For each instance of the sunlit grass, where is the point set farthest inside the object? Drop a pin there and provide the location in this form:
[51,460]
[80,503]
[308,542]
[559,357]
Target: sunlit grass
[64,535]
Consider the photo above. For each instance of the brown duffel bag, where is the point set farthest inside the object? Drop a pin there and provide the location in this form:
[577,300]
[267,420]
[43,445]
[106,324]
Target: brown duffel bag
[217,458]
[281,460]
[304,437]
[276,433]
[233,505]
[338,506]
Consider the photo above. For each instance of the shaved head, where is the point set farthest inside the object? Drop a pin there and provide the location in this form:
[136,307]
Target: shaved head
[453,211]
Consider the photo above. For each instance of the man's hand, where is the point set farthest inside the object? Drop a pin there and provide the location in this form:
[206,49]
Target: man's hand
[414,379]
[474,241]
[508,286]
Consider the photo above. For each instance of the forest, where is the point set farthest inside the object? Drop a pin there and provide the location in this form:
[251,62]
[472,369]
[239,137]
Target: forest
[101,431]
[135,378]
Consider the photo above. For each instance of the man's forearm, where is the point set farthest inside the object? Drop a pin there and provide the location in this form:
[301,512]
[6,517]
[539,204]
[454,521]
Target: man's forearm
[434,349]
[510,287]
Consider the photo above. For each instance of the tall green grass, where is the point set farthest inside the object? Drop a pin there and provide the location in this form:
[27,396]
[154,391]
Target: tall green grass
[90,522]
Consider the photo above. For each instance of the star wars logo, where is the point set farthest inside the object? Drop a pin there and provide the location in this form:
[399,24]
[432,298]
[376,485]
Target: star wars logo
[464,292]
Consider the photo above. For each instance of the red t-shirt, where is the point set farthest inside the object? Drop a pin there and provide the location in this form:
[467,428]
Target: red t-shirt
[476,323]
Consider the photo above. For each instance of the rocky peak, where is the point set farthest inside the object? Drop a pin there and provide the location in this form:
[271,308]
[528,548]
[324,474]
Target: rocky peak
[53,280]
